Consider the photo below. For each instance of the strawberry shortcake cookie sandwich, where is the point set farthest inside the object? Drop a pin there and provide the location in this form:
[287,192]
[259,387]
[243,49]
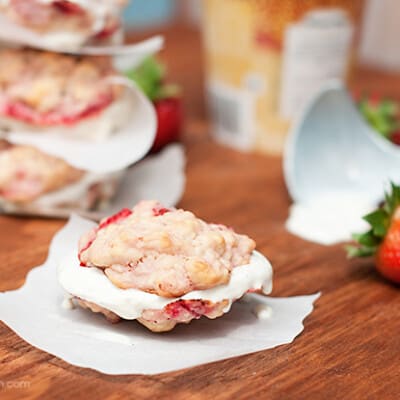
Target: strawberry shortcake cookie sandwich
[162,266]
[42,91]
[32,181]
[66,23]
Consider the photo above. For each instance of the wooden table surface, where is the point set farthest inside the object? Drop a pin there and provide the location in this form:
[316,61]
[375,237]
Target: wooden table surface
[350,348]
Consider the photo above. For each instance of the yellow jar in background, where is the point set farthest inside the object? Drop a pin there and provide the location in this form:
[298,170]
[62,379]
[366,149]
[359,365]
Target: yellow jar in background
[266,58]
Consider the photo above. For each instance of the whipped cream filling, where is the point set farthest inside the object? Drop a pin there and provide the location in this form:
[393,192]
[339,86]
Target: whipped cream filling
[262,311]
[91,284]
[330,218]
[67,303]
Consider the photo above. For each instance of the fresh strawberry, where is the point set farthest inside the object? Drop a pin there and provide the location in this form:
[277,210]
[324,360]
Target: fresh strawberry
[169,119]
[383,239]
[150,78]
[395,137]
[121,215]
[388,255]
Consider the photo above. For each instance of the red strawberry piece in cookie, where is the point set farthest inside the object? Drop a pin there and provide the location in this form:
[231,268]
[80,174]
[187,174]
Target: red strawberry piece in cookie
[108,30]
[89,239]
[121,215]
[68,7]
[187,309]
[160,211]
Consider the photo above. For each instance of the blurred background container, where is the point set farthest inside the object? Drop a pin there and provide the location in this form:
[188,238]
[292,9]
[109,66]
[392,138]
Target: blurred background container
[381,33]
[145,14]
[378,42]
[267,58]
[142,14]
[376,55]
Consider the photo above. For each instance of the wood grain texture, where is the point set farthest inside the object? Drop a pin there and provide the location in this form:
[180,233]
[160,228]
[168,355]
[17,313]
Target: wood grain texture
[350,348]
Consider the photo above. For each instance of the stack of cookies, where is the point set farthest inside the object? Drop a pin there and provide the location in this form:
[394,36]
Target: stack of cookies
[70,124]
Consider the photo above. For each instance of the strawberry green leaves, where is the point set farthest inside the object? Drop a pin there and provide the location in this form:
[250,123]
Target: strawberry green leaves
[150,76]
[367,243]
[381,114]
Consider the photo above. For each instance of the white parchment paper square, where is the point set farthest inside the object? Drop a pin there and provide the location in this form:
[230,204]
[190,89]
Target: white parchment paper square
[87,340]
[13,34]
